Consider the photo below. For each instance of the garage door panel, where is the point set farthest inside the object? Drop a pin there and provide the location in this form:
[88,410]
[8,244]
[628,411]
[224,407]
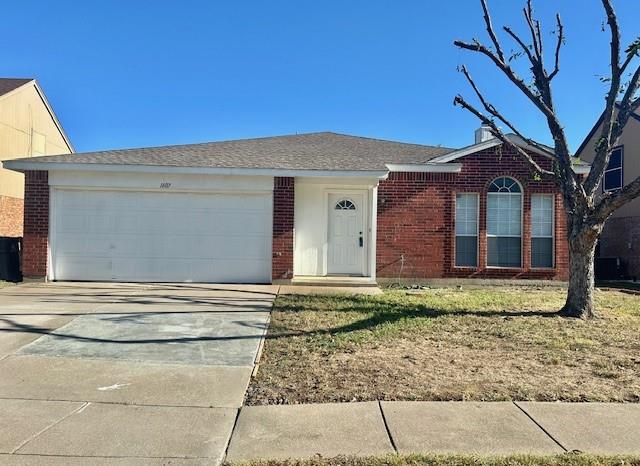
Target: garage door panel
[159,236]
[235,271]
[81,245]
[73,223]
[229,248]
[95,268]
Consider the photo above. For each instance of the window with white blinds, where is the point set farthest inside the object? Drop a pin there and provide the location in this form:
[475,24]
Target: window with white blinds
[542,220]
[466,230]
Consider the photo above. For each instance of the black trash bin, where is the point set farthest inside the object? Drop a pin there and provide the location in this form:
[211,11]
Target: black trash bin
[10,259]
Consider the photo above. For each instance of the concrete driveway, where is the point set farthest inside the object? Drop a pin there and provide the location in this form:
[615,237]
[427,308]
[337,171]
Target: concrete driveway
[112,371]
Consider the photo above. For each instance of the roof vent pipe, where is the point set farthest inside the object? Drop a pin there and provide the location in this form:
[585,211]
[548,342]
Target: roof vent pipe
[483,134]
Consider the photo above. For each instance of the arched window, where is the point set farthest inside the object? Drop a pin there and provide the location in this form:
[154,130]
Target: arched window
[504,223]
[504,185]
[345,204]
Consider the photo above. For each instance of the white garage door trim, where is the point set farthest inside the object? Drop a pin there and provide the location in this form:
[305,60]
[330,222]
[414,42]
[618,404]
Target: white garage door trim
[232,269]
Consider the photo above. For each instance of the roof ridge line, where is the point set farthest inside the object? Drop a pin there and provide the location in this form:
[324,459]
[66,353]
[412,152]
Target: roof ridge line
[390,140]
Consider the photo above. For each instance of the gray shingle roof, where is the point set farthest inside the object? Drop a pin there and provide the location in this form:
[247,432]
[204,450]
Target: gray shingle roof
[313,151]
[9,84]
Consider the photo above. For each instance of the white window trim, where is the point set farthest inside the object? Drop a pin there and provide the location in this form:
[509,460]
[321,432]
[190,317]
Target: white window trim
[553,232]
[477,235]
[521,194]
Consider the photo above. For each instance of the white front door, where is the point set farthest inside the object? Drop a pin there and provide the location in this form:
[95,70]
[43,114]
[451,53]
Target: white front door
[346,234]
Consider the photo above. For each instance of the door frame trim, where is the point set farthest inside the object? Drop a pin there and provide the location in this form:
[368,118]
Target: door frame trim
[366,225]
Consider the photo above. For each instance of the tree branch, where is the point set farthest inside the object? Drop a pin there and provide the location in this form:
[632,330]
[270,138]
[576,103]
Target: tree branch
[459,100]
[626,107]
[521,43]
[560,33]
[491,109]
[509,73]
[492,35]
[632,88]
[603,147]
[612,201]
[537,45]
[627,62]
[542,99]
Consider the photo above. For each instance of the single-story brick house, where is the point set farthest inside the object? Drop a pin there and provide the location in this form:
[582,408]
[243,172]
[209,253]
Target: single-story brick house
[310,207]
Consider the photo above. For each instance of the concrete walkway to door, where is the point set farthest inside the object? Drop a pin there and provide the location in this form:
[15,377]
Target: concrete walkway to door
[147,373]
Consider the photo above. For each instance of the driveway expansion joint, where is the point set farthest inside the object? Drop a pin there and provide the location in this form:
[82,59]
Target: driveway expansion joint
[386,426]
[233,431]
[541,427]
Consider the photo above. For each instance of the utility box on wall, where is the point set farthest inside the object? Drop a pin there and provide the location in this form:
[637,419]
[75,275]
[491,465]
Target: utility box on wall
[10,259]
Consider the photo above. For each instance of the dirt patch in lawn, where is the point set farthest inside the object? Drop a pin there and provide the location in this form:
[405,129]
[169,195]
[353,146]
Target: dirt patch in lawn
[445,344]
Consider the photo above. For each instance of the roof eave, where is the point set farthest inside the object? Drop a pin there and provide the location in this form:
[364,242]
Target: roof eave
[493,142]
[54,117]
[425,167]
[23,165]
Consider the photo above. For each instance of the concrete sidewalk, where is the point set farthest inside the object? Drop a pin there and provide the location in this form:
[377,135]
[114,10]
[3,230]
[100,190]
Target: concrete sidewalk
[374,428]
[56,432]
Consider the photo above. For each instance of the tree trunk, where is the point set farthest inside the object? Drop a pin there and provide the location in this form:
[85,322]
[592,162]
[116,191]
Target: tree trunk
[580,302]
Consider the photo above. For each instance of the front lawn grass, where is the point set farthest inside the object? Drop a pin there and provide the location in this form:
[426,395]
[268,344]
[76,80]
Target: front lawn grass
[569,459]
[447,344]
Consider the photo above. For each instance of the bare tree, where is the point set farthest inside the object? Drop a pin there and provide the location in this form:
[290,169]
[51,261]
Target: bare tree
[586,208]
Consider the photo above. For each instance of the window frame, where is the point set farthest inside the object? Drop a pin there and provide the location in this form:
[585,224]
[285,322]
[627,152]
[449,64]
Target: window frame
[351,205]
[553,231]
[606,169]
[521,194]
[455,234]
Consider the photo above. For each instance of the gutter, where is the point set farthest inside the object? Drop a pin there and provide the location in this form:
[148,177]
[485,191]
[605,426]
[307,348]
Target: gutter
[425,167]
[26,165]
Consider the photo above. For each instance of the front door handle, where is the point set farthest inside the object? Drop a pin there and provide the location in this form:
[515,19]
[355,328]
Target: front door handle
[361,240]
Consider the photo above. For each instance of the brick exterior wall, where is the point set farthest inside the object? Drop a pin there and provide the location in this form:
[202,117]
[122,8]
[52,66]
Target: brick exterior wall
[282,251]
[621,238]
[415,233]
[11,215]
[36,224]
[416,213]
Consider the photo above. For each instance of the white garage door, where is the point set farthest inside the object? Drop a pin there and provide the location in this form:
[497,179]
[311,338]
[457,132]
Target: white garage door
[161,236]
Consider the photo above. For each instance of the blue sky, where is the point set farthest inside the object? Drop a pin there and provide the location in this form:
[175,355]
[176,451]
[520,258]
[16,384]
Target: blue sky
[130,73]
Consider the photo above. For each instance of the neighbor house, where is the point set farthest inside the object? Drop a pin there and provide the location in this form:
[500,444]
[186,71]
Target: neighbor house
[28,127]
[320,207]
[621,235]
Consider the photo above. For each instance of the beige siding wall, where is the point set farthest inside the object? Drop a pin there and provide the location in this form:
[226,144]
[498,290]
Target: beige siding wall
[630,139]
[26,129]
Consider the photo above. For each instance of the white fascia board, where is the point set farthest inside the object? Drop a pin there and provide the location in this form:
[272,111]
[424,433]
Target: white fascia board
[53,116]
[23,165]
[488,145]
[425,167]
[467,150]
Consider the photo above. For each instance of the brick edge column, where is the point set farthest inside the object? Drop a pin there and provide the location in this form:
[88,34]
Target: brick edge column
[35,242]
[282,243]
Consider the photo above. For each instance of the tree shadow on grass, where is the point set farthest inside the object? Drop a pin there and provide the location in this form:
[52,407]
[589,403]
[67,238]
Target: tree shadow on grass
[380,312]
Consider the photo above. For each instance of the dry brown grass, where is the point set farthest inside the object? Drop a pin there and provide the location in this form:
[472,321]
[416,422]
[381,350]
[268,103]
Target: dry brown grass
[489,344]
